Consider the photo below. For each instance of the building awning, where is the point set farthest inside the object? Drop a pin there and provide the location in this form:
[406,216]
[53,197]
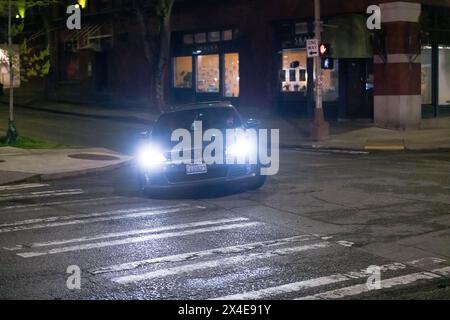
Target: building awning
[90,36]
[348,36]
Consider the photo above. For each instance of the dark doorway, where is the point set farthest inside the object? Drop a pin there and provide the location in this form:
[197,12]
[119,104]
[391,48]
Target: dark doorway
[357,76]
[101,71]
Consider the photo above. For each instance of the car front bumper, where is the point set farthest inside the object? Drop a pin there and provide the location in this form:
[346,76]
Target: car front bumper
[174,176]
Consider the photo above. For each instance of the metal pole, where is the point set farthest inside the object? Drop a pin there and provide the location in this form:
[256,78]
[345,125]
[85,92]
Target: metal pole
[317,62]
[11,71]
[320,129]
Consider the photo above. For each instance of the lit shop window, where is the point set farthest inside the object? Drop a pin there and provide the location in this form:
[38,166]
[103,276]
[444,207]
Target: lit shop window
[227,35]
[444,75]
[231,86]
[293,76]
[182,68]
[208,78]
[4,67]
[214,36]
[331,83]
[426,82]
[200,37]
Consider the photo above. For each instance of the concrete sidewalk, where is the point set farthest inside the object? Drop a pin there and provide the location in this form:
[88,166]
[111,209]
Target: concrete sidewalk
[434,135]
[36,164]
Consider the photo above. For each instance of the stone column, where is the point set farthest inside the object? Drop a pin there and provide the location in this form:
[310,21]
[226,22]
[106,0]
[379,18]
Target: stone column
[397,96]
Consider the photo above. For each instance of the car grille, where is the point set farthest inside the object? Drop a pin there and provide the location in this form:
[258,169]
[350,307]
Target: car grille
[179,176]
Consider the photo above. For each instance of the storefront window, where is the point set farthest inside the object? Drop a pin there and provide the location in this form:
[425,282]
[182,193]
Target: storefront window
[331,83]
[182,67]
[208,73]
[231,86]
[293,76]
[426,84]
[444,75]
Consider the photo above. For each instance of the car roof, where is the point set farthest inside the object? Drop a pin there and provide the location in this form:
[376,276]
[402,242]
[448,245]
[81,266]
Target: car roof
[201,105]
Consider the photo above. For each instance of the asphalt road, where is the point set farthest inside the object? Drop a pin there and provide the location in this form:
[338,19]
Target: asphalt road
[311,232]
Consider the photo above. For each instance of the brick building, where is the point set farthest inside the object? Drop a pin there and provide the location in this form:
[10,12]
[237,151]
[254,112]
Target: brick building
[253,53]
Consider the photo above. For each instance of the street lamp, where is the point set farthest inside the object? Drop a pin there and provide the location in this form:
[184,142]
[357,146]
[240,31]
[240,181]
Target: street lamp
[320,128]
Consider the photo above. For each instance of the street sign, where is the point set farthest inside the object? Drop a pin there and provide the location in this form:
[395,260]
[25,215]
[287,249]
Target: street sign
[312,47]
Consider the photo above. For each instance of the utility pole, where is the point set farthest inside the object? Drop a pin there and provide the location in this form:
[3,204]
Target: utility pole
[320,128]
[11,135]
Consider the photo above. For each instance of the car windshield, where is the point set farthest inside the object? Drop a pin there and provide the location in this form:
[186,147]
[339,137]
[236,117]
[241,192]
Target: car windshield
[211,118]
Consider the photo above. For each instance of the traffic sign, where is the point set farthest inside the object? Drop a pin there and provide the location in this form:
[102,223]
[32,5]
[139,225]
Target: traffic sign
[312,47]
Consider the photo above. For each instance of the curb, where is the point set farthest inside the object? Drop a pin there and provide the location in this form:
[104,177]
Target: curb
[71,174]
[320,148]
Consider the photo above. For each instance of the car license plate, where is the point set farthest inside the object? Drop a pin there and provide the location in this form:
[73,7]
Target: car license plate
[192,169]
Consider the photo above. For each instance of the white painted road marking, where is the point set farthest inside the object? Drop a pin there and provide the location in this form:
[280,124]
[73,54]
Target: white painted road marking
[126,233]
[23,186]
[39,206]
[40,194]
[305,284]
[317,282]
[92,217]
[217,263]
[103,244]
[201,254]
[385,284]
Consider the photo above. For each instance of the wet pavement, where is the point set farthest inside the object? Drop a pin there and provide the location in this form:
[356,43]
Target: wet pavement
[310,233]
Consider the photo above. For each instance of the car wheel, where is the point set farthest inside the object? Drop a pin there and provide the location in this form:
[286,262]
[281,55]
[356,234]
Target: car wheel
[257,183]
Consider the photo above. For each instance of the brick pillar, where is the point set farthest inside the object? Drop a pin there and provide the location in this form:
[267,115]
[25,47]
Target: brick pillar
[397,98]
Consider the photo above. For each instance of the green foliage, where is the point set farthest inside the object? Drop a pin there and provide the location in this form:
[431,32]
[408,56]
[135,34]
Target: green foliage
[33,63]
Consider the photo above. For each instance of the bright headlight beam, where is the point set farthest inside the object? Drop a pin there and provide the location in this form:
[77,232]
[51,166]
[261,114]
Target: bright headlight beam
[150,157]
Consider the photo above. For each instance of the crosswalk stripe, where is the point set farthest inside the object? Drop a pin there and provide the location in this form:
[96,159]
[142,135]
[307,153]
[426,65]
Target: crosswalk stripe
[55,203]
[131,240]
[87,215]
[126,233]
[40,194]
[385,284]
[316,282]
[98,217]
[200,254]
[304,284]
[218,263]
[23,186]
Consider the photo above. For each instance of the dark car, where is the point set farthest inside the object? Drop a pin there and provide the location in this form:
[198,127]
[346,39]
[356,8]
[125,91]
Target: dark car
[159,170]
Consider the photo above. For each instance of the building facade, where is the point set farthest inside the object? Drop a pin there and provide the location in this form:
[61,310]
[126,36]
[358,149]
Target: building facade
[253,53]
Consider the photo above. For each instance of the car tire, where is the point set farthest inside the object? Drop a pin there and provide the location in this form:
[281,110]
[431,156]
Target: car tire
[257,183]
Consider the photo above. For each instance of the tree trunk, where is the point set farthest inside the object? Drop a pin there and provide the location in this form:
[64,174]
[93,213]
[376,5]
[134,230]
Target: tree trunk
[51,78]
[163,56]
[148,52]
[156,49]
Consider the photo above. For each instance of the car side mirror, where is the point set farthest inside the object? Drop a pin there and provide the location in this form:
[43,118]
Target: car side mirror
[253,123]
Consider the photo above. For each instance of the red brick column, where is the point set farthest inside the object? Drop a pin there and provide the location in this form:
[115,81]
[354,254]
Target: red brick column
[397,96]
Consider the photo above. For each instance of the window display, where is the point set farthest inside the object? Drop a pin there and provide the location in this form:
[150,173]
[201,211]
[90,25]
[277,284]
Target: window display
[426,83]
[182,68]
[231,86]
[444,75]
[294,75]
[208,75]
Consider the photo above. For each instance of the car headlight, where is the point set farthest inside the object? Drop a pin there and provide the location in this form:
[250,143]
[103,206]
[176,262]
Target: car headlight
[150,157]
[242,150]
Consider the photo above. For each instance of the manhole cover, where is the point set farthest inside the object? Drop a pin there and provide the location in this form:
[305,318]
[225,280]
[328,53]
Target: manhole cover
[94,156]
